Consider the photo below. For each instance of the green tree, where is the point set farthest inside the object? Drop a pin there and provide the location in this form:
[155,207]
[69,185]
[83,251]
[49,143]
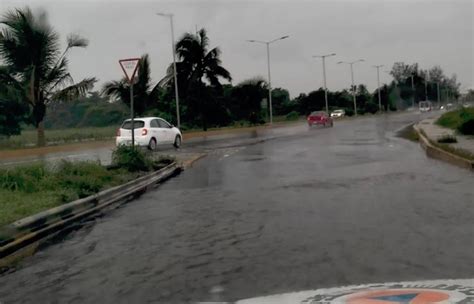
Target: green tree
[29,48]
[247,99]
[402,71]
[197,64]
[145,96]
[280,101]
[13,112]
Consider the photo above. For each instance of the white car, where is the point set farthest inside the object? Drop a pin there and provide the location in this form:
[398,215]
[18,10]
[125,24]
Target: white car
[424,106]
[338,113]
[149,132]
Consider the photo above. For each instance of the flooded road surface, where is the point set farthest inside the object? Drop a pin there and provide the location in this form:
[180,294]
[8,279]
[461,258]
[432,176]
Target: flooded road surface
[316,208]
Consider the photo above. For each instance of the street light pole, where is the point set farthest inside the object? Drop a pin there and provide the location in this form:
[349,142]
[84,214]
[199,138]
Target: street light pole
[437,91]
[132,114]
[267,43]
[426,90]
[352,78]
[413,89]
[269,84]
[178,121]
[378,85]
[324,77]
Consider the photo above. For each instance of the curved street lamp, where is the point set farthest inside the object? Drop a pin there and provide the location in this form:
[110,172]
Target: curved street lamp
[323,57]
[267,43]
[351,63]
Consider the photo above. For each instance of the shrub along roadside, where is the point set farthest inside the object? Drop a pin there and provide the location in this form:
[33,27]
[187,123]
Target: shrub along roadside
[30,189]
[461,120]
[447,139]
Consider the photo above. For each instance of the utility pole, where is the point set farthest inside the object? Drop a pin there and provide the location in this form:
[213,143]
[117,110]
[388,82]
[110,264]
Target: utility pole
[437,89]
[378,85]
[132,114]
[269,75]
[324,77]
[176,94]
[426,90]
[413,89]
[352,78]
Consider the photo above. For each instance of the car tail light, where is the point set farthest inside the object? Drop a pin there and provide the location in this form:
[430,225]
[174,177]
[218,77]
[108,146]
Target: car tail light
[144,132]
[118,132]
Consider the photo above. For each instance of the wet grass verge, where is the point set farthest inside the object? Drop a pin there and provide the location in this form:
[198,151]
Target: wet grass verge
[54,137]
[29,189]
[461,120]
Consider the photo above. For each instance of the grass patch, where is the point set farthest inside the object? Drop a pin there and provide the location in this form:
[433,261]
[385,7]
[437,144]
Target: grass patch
[457,120]
[409,133]
[27,138]
[29,189]
[447,139]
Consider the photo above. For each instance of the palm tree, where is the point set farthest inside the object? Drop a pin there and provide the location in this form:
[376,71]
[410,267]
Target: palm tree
[34,65]
[197,63]
[143,96]
[247,97]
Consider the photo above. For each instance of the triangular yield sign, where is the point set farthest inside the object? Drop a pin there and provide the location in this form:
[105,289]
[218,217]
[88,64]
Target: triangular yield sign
[129,67]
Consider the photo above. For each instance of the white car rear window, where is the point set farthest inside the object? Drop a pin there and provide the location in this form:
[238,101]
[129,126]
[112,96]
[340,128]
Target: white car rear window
[137,123]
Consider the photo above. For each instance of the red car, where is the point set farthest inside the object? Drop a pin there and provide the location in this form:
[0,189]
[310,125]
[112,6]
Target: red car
[319,118]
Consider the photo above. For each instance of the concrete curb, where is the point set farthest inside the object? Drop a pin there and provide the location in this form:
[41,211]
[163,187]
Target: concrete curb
[438,153]
[24,234]
[189,163]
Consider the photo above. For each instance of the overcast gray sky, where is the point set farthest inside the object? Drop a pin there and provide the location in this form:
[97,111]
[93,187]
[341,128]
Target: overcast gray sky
[381,32]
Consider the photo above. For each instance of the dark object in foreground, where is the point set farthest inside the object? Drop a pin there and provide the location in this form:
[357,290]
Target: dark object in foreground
[447,139]
[467,127]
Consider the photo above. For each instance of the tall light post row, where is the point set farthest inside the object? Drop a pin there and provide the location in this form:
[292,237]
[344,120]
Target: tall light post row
[351,64]
[267,43]
[323,57]
[178,122]
[378,85]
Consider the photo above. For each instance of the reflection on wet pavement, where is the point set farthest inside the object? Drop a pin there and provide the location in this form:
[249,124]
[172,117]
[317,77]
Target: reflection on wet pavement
[309,209]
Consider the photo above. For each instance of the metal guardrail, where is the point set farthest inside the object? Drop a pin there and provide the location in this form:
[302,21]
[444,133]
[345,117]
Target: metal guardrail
[29,230]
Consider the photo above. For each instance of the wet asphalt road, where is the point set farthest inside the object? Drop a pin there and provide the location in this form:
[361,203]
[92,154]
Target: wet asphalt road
[326,207]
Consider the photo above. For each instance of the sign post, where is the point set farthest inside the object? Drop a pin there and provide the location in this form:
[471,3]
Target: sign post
[130,67]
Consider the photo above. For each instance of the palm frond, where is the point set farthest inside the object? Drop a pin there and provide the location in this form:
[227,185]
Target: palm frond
[74,91]
[75,40]
[58,76]
[6,77]
[143,77]
[165,81]
[155,93]
[203,39]
[28,40]
[256,81]
[117,90]
[221,72]
[188,49]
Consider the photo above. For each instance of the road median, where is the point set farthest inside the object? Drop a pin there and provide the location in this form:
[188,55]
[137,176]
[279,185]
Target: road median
[437,151]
